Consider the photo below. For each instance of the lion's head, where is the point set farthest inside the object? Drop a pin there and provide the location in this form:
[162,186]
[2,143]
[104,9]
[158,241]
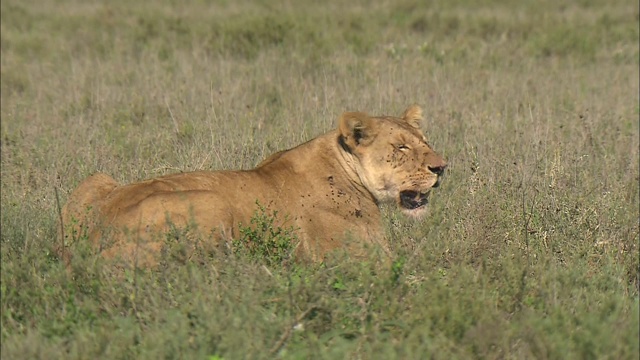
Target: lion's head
[395,162]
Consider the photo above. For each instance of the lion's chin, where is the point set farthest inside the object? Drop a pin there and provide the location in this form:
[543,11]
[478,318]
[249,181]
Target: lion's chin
[416,214]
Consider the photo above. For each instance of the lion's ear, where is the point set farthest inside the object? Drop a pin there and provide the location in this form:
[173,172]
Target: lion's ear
[356,128]
[413,116]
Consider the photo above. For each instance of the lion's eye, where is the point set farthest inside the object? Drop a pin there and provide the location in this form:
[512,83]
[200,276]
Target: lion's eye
[403,147]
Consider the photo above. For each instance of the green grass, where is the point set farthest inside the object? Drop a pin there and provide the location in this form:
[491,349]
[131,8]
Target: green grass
[530,249]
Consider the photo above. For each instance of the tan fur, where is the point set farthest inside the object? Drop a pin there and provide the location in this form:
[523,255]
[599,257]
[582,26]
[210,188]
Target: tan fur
[328,188]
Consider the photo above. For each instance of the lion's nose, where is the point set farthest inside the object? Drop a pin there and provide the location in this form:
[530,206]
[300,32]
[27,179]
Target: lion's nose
[438,170]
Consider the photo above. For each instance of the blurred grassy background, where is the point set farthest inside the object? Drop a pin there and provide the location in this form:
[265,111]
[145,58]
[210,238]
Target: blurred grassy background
[531,246]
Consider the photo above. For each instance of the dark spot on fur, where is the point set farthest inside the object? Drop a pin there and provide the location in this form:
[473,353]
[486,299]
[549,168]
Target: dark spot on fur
[358,213]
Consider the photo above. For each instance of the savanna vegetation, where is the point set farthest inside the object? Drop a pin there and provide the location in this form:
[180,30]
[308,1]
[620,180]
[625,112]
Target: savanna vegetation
[530,248]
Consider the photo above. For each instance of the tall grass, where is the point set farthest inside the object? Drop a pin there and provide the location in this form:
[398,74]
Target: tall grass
[530,249]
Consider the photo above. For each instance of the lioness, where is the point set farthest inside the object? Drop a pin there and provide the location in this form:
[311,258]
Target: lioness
[328,188]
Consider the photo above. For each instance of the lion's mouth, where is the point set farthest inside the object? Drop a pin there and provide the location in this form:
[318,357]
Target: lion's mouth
[410,199]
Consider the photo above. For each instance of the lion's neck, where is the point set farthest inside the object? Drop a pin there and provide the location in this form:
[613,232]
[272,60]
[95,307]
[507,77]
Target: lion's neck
[350,165]
[321,158]
[342,164]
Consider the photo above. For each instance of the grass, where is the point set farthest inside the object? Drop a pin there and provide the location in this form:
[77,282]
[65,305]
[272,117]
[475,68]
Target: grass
[530,249]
